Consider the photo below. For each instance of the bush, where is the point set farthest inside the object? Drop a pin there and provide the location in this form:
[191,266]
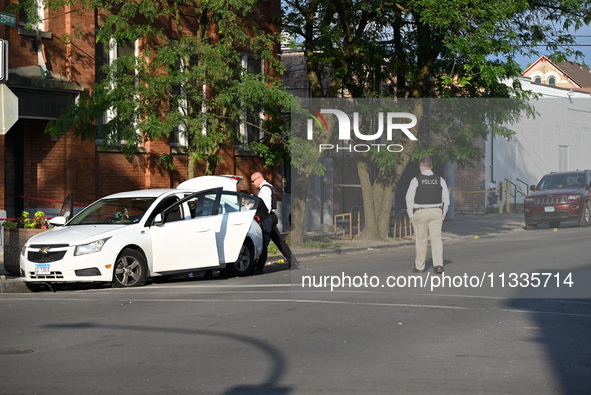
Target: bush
[24,222]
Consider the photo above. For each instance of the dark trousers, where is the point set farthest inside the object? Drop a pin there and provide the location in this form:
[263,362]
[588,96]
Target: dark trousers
[282,245]
[267,228]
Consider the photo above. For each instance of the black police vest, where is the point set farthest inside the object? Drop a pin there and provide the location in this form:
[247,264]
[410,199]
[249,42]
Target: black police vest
[428,190]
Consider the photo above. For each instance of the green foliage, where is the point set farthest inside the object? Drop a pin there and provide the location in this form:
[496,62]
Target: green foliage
[429,49]
[184,77]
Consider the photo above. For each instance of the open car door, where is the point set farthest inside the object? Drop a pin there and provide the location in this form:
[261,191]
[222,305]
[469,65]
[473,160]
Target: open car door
[235,217]
[184,235]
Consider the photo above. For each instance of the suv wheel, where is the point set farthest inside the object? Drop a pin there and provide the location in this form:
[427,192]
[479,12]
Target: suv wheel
[586,216]
[531,226]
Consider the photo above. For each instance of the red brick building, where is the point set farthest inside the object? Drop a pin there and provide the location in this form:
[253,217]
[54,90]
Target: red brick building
[38,171]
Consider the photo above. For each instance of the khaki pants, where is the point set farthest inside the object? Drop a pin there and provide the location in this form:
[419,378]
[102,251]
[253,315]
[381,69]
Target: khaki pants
[427,225]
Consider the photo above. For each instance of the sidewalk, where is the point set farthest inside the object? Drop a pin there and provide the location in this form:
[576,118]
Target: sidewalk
[463,226]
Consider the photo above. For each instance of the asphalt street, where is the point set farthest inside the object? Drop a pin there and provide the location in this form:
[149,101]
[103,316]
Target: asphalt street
[288,332]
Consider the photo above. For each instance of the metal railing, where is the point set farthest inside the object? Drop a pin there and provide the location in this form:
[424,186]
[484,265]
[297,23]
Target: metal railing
[511,191]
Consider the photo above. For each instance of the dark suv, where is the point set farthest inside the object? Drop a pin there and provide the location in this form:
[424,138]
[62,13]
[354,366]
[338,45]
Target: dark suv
[559,197]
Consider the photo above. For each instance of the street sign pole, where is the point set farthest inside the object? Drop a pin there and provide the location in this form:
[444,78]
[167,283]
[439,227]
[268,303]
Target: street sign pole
[3,60]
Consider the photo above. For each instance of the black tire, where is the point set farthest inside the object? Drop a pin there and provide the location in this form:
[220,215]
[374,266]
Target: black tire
[554,224]
[130,269]
[531,226]
[586,216]
[245,262]
[161,279]
[38,287]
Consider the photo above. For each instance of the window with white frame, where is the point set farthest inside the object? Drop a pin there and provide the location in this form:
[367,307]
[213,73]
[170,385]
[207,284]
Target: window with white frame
[178,135]
[107,54]
[40,17]
[249,129]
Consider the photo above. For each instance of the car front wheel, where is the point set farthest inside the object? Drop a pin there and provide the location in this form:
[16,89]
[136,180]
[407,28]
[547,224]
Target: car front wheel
[245,262]
[130,269]
[586,216]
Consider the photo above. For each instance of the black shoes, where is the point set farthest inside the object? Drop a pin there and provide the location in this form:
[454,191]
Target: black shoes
[436,269]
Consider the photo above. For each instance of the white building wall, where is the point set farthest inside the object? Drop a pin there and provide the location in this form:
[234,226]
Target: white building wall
[558,139]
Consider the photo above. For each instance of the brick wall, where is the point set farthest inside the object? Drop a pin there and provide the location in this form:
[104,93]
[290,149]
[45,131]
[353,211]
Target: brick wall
[468,182]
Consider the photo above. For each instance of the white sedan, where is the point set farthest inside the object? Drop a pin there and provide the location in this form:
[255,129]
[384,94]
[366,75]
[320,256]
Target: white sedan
[127,237]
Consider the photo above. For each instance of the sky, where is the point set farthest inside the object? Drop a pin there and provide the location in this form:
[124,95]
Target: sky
[583,39]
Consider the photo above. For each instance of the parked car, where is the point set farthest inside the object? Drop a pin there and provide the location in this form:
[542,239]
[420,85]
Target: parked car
[559,197]
[128,237]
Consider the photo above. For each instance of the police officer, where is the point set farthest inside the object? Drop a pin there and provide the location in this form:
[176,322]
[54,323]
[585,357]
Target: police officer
[268,196]
[264,194]
[427,201]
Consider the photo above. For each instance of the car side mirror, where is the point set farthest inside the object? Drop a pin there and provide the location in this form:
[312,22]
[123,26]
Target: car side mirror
[532,187]
[158,220]
[58,221]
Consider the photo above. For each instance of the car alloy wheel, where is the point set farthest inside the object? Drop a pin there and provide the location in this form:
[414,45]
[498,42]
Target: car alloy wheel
[130,269]
[245,262]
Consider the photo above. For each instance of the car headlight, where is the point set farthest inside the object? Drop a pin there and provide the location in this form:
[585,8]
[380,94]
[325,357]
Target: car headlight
[528,200]
[90,248]
[574,197]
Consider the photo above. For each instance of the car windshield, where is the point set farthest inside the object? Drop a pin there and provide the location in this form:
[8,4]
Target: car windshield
[114,211]
[552,181]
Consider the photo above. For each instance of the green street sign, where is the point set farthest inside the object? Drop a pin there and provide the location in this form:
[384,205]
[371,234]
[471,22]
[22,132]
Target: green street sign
[7,19]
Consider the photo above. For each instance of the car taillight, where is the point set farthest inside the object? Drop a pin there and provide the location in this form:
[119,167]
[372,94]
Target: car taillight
[257,218]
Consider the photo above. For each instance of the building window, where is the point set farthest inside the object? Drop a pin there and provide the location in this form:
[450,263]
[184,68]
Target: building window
[178,135]
[106,55]
[39,22]
[249,129]
[538,80]
[552,81]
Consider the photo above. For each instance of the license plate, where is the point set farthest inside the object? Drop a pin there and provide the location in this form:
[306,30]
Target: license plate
[42,268]
[549,209]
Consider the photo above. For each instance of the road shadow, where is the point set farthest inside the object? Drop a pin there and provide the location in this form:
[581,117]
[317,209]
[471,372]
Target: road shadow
[564,326]
[275,359]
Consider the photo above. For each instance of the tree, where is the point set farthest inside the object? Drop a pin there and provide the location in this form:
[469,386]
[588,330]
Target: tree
[190,72]
[425,49]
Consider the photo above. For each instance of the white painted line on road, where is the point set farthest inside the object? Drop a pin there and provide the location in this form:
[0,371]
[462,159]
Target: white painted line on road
[312,301]
[361,304]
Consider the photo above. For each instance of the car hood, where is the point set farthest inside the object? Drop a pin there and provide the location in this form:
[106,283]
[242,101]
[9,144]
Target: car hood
[77,234]
[555,191]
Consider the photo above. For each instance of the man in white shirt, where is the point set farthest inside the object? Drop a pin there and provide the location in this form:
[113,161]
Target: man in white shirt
[266,195]
[427,202]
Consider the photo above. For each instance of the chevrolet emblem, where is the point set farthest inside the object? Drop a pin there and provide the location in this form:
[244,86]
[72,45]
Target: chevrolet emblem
[44,250]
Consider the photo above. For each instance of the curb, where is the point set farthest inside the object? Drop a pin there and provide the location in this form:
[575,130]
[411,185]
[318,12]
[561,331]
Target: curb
[12,285]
